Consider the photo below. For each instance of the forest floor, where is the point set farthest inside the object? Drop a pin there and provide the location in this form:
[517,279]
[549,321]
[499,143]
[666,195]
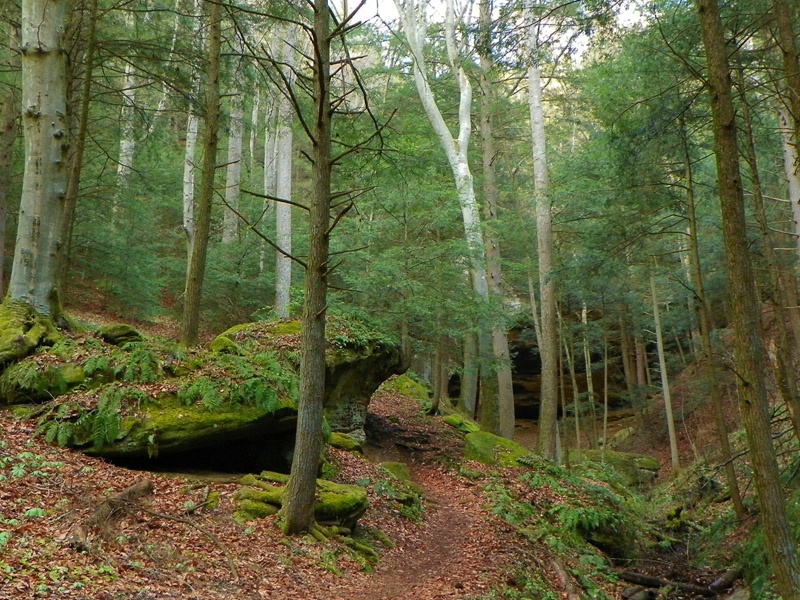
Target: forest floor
[167,547]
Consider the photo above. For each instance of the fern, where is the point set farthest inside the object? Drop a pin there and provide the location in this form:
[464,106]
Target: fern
[141,365]
[95,365]
[106,422]
[255,391]
[203,390]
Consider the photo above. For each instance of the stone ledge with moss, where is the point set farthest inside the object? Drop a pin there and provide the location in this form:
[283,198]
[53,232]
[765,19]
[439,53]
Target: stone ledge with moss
[149,399]
[337,503]
[636,470]
[493,450]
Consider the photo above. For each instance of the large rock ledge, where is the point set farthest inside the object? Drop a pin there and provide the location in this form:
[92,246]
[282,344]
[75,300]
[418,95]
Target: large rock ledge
[231,406]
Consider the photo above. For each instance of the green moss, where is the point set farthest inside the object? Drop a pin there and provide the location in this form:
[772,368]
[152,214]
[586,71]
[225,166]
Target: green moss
[345,442]
[21,331]
[494,450]
[72,374]
[457,421]
[406,385]
[336,502]
[635,469]
[398,470]
[223,344]
[118,334]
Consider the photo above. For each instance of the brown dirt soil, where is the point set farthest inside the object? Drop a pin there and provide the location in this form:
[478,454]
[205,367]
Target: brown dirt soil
[158,550]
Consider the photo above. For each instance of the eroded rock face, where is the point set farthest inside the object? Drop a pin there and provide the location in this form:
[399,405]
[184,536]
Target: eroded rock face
[232,406]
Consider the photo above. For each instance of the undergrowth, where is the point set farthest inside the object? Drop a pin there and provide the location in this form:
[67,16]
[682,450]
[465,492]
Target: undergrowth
[583,520]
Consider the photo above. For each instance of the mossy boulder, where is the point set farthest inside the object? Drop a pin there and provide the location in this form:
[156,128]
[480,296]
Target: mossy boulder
[345,442]
[119,334]
[457,421]
[233,408]
[337,503]
[398,470]
[408,386]
[494,450]
[636,470]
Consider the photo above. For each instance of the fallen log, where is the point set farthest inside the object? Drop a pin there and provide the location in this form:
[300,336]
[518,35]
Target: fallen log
[726,580]
[657,582]
[107,512]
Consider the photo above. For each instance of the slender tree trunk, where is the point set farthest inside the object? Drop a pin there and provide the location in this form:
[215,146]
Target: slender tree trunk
[745,309]
[192,127]
[705,339]
[791,61]
[502,355]
[8,136]
[78,148]
[301,489]
[548,348]
[791,168]
[587,361]
[127,119]
[190,324]
[283,169]
[9,129]
[468,398]
[665,391]
[233,165]
[47,139]
[786,375]
[568,353]
[456,149]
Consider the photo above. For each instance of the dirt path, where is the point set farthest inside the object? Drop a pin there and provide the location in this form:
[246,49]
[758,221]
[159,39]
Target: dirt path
[455,557]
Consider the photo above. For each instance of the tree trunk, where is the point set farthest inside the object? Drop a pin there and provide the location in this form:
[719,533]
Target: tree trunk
[502,355]
[189,166]
[548,348]
[665,392]
[47,140]
[190,324]
[587,362]
[9,115]
[283,187]
[791,168]
[468,398]
[127,119]
[745,309]
[233,165]
[456,149]
[78,148]
[705,339]
[301,489]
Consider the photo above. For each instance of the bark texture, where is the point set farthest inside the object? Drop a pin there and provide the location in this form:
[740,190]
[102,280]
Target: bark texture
[299,506]
[190,324]
[47,137]
[745,309]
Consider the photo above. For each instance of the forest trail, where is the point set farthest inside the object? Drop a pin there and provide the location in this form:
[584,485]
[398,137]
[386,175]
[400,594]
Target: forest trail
[463,550]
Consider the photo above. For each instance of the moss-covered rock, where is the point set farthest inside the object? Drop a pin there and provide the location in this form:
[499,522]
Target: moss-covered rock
[457,421]
[398,470]
[634,469]
[494,450]
[118,334]
[408,386]
[262,495]
[345,442]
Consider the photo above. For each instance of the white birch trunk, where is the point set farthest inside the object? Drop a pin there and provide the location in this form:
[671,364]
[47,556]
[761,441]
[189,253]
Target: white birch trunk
[283,185]
[254,116]
[233,168]
[189,167]
[127,138]
[41,212]
[414,22]
[791,168]
[548,349]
